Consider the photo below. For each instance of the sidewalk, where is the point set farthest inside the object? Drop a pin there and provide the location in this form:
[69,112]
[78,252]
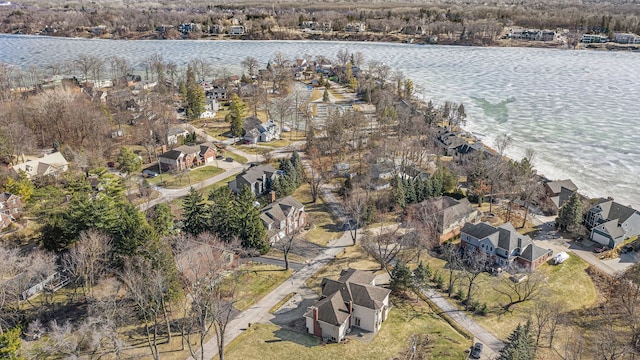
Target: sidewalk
[463,320]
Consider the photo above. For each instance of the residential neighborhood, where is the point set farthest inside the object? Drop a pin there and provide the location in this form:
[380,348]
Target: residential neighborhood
[312,207]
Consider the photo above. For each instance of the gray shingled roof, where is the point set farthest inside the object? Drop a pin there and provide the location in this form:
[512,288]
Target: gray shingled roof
[332,310]
[357,276]
[255,173]
[533,252]
[612,210]
[171,154]
[479,231]
[556,186]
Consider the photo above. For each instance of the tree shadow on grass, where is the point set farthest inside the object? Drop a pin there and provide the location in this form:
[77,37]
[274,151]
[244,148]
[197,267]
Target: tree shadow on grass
[305,340]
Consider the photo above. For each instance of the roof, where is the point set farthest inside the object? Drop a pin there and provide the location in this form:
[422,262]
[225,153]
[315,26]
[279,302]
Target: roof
[255,173]
[176,131]
[613,210]
[448,210]
[188,149]
[479,231]
[251,122]
[40,166]
[280,210]
[613,229]
[556,186]
[331,310]
[351,289]
[171,154]
[357,276]
[532,252]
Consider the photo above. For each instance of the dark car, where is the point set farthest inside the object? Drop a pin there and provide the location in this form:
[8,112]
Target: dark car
[625,249]
[228,159]
[476,351]
[599,250]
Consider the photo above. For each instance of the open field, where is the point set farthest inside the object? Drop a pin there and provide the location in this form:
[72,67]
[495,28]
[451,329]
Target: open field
[407,318]
[323,226]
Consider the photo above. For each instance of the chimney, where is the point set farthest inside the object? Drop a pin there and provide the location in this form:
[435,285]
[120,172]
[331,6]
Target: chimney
[315,313]
[164,149]
[272,196]
[317,330]
[350,307]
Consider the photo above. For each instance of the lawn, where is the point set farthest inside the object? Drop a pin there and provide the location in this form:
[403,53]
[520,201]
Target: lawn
[179,180]
[567,283]
[222,183]
[323,226]
[267,341]
[353,257]
[237,158]
[254,149]
[277,143]
[257,281]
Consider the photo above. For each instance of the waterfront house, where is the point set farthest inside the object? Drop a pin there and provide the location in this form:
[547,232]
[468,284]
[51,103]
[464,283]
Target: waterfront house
[353,300]
[558,192]
[503,245]
[611,223]
[446,213]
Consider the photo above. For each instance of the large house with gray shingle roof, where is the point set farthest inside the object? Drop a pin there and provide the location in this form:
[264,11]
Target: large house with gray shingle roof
[352,300]
[283,217]
[258,179]
[611,223]
[503,244]
[447,214]
[558,192]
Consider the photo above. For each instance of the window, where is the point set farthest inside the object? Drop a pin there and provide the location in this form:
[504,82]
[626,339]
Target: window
[357,321]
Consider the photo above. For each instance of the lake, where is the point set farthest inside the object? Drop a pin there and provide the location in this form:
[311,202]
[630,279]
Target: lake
[579,110]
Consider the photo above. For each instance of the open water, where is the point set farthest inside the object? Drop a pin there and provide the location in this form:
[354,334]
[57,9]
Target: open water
[579,110]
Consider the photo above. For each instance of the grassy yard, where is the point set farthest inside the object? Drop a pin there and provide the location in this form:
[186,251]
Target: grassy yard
[352,257]
[257,281]
[323,226]
[254,149]
[173,181]
[266,341]
[277,143]
[237,158]
[567,283]
[222,183]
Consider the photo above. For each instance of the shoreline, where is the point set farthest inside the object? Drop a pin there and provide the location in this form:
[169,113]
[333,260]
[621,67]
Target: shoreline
[398,39]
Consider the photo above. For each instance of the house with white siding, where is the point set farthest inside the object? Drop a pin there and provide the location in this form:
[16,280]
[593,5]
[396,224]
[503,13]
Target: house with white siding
[611,223]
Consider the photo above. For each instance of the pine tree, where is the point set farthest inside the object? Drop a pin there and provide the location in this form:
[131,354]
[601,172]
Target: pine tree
[400,278]
[570,213]
[421,274]
[520,345]
[252,233]
[224,217]
[399,193]
[325,95]
[237,113]
[195,213]
[163,219]
[410,191]
[195,98]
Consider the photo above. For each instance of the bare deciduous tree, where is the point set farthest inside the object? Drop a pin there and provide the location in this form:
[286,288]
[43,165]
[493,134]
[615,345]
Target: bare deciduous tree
[87,260]
[520,291]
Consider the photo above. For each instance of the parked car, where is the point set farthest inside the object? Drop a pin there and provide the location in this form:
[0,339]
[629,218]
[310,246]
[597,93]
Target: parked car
[149,173]
[625,249]
[228,159]
[111,164]
[476,351]
[600,249]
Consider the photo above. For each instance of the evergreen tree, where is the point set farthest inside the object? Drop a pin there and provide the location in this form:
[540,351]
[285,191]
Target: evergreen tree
[400,278]
[421,274]
[10,343]
[21,186]
[570,213]
[325,95]
[399,193]
[410,192]
[195,96]
[237,113]
[520,345]
[252,232]
[132,232]
[196,215]
[224,217]
[163,219]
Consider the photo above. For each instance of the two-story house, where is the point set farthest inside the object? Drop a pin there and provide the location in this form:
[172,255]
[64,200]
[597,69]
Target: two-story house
[503,244]
[447,214]
[49,165]
[558,192]
[282,218]
[186,156]
[611,223]
[352,300]
[11,206]
[258,179]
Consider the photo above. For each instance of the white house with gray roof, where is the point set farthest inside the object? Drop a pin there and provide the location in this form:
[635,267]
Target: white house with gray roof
[611,223]
[353,300]
[48,165]
[282,218]
[503,244]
